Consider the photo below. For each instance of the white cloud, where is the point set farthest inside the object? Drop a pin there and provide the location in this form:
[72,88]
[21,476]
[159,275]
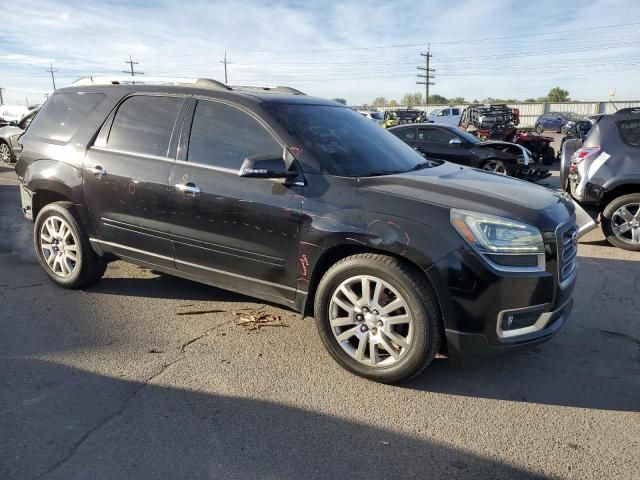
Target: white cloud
[306,44]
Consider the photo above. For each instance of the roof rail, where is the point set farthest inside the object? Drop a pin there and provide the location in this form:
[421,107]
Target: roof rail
[628,110]
[139,80]
[267,88]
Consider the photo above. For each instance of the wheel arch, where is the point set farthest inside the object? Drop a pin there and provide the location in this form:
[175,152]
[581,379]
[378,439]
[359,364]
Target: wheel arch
[336,253]
[619,190]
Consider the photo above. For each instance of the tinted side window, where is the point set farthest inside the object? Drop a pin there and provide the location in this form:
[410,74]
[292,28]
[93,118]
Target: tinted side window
[143,124]
[434,135]
[62,114]
[630,132]
[455,111]
[406,134]
[223,136]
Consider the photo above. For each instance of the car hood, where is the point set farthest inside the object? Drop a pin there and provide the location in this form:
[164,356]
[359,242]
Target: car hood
[452,186]
[9,130]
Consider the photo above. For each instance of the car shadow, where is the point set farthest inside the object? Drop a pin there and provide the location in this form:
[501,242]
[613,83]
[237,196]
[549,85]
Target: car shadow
[593,362]
[78,424]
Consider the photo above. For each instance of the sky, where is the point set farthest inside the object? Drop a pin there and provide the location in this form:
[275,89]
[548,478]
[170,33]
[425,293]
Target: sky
[352,49]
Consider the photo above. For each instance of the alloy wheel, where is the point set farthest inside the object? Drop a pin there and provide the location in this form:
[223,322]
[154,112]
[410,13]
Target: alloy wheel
[59,246]
[371,321]
[625,223]
[495,166]
[5,153]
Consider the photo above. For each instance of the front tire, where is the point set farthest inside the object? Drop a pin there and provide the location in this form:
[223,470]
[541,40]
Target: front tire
[621,222]
[496,166]
[63,249]
[539,128]
[6,155]
[377,317]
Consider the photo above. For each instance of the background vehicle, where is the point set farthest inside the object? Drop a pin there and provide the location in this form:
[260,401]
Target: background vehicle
[372,115]
[500,122]
[560,122]
[446,142]
[9,146]
[299,201]
[604,174]
[12,113]
[402,117]
[448,115]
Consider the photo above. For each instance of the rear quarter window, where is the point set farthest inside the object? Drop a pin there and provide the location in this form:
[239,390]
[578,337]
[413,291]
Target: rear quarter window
[62,114]
[630,132]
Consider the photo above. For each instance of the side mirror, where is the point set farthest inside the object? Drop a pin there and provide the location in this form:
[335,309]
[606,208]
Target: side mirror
[455,141]
[269,165]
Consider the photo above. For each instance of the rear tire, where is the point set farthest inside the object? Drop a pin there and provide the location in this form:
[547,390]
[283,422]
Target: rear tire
[63,249]
[381,345]
[548,155]
[621,222]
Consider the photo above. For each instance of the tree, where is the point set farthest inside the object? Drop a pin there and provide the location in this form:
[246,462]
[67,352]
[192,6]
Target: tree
[412,99]
[437,99]
[557,94]
[456,101]
[529,100]
[379,102]
[340,100]
[392,103]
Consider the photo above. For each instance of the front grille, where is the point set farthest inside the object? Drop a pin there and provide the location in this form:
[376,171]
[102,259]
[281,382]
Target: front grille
[567,252]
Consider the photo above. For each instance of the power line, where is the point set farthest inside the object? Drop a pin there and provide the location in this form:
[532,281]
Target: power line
[427,76]
[52,71]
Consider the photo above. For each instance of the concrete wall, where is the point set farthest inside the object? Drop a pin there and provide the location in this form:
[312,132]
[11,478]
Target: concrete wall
[530,111]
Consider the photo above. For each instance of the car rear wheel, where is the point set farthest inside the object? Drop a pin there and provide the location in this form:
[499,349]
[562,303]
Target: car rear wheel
[539,128]
[495,166]
[6,155]
[63,248]
[621,222]
[377,317]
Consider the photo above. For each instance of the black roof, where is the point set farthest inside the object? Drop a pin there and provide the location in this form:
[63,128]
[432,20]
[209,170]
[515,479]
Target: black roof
[242,94]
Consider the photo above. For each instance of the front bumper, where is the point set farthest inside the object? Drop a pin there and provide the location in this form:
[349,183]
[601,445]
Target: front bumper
[464,344]
[488,310]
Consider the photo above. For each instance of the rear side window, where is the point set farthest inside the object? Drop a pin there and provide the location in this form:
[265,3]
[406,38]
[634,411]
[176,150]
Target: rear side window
[433,135]
[223,136]
[63,113]
[144,124]
[406,134]
[630,132]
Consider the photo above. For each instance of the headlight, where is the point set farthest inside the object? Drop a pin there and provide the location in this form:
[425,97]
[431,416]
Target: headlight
[492,234]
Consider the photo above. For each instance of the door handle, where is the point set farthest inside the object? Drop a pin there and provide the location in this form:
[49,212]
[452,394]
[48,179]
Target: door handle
[98,171]
[187,188]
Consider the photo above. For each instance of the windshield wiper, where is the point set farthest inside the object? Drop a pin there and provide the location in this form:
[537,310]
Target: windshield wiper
[379,173]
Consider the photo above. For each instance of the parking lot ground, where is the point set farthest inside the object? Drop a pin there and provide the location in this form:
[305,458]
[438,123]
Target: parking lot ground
[149,376]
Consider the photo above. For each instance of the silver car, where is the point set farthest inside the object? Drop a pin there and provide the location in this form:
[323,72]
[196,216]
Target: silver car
[9,135]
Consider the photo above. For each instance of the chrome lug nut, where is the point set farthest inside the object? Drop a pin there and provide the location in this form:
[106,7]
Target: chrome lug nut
[374,331]
[364,328]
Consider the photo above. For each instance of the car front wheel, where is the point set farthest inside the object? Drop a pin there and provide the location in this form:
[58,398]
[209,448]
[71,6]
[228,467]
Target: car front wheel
[63,249]
[377,317]
[621,222]
[6,155]
[539,128]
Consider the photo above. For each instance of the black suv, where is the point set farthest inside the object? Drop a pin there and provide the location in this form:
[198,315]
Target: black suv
[302,202]
[603,173]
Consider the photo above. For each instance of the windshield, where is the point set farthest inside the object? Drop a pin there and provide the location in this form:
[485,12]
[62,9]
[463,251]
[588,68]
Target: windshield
[572,116]
[376,116]
[467,137]
[345,143]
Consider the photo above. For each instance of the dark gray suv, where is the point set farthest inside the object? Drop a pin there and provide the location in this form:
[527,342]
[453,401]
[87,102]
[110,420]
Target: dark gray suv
[603,173]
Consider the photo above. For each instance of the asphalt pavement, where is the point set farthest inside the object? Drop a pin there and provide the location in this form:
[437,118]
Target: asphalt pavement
[147,376]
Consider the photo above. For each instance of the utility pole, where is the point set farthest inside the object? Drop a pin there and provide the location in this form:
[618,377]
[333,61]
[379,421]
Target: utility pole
[52,71]
[131,64]
[1,99]
[225,61]
[425,79]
